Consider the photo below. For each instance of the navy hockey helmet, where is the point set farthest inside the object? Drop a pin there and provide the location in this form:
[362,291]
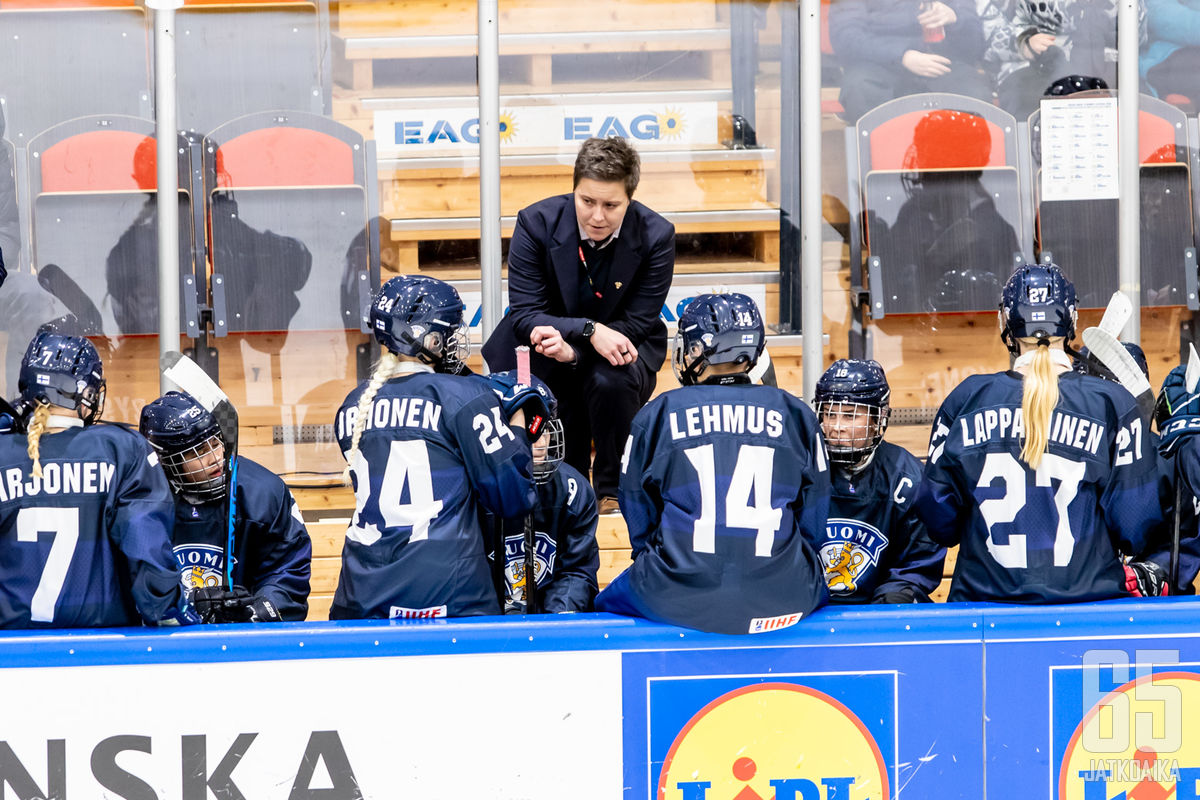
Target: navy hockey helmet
[853,403]
[413,315]
[717,329]
[1086,364]
[188,441]
[1073,84]
[1037,302]
[541,418]
[65,371]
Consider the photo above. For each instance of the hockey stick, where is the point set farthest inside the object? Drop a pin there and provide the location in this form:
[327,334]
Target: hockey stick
[1113,355]
[187,375]
[1191,378]
[531,604]
[53,279]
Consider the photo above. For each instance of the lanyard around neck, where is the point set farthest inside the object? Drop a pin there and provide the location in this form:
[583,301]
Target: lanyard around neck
[588,273]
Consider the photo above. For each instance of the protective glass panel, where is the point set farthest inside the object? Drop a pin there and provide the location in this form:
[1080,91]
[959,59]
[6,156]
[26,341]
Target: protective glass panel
[293,272]
[272,56]
[944,240]
[96,59]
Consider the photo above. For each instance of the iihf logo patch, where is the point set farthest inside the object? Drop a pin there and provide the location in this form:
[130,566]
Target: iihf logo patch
[200,565]
[852,548]
[514,563]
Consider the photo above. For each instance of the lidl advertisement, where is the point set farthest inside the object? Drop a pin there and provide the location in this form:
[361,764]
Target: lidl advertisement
[861,723]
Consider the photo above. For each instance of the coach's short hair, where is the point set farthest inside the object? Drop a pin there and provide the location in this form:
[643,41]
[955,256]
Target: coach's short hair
[611,159]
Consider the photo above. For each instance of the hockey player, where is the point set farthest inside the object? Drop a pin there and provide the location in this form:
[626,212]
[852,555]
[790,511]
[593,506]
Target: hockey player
[1041,473]
[565,517]
[271,550]
[875,549]
[724,488]
[85,513]
[423,450]
[1177,416]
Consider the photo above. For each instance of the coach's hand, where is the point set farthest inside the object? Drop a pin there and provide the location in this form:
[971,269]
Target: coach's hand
[613,346]
[547,340]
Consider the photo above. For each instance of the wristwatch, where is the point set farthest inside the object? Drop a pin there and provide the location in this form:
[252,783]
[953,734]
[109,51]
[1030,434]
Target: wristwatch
[589,327]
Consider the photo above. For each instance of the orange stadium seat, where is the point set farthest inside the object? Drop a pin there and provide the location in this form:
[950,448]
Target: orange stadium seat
[936,204]
[93,186]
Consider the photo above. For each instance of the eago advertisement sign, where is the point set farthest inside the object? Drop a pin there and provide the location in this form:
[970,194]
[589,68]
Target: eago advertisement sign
[453,130]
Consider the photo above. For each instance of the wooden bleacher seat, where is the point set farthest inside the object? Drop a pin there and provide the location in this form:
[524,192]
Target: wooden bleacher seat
[542,42]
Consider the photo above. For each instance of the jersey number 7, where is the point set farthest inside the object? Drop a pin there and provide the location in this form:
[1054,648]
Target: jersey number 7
[751,475]
[63,524]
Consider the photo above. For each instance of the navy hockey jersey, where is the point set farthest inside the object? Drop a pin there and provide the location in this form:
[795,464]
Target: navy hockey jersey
[874,543]
[1181,464]
[272,551]
[434,447]
[567,557]
[724,490]
[1050,536]
[89,543]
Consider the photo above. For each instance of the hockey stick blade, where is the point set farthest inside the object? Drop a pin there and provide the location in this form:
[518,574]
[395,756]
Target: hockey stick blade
[187,375]
[1191,376]
[1113,355]
[1118,312]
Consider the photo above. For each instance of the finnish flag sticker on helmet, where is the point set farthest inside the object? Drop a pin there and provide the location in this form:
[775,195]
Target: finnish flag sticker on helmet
[747,338]
[1037,316]
[43,380]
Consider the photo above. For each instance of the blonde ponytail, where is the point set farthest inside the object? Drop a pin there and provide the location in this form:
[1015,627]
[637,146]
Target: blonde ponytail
[33,435]
[383,370]
[1039,396]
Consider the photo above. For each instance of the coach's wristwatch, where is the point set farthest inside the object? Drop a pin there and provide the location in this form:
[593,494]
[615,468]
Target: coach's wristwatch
[589,327]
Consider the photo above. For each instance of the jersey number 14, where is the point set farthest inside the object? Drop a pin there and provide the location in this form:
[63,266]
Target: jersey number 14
[752,475]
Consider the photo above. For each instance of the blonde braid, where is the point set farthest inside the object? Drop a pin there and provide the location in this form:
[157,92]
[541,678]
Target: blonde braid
[37,426]
[1039,396]
[383,370]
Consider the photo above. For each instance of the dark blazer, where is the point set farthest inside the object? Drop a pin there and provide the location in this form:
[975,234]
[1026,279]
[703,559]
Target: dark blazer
[544,275]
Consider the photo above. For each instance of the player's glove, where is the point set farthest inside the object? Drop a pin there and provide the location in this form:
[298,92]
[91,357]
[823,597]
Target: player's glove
[1146,579]
[1177,412]
[217,605]
[537,400]
[901,596]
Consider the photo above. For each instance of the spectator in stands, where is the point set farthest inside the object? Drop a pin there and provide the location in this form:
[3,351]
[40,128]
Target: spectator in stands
[564,519]
[875,549]
[1033,43]
[1171,60]
[891,48]
[588,273]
